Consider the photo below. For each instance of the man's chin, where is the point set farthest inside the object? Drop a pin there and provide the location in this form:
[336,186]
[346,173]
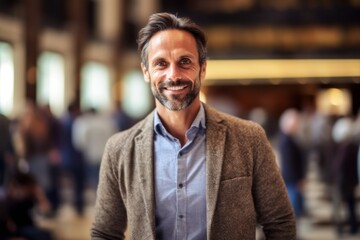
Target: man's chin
[174,106]
[176,102]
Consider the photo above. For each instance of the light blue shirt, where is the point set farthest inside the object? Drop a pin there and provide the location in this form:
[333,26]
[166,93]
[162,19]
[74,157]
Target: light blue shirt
[180,180]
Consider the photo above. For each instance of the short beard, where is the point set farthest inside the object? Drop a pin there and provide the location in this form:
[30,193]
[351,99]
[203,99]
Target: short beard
[177,102]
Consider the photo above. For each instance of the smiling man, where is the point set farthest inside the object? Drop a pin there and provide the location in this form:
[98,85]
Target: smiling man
[187,171]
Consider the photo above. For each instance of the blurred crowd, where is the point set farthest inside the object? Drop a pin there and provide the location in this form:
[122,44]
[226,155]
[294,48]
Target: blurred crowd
[40,153]
[333,144]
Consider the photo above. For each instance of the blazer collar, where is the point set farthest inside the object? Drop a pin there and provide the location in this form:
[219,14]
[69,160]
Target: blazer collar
[215,142]
[144,159]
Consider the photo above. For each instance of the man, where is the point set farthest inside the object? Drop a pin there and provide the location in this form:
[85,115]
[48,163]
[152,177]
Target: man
[90,133]
[187,171]
[291,157]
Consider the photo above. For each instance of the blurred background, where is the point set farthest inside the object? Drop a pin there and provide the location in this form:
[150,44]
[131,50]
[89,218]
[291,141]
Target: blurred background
[70,77]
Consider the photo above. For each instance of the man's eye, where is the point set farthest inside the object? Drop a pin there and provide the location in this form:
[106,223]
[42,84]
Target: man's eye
[185,61]
[161,64]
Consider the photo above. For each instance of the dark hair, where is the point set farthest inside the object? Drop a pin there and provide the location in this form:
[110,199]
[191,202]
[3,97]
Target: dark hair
[166,21]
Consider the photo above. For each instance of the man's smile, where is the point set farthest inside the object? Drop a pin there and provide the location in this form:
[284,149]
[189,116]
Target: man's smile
[175,88]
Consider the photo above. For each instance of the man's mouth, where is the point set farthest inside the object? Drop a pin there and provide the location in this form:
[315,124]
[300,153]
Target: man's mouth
[175,88]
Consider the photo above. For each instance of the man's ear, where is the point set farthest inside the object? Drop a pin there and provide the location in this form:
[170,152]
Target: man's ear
[203,71]
[145,73]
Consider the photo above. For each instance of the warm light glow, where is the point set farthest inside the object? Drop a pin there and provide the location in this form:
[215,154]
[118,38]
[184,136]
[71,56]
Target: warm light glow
[281,69]
[336,97]
[334,101]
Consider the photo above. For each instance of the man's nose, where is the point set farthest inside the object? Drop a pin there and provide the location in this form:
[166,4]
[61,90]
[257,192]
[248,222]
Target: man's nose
[173,72]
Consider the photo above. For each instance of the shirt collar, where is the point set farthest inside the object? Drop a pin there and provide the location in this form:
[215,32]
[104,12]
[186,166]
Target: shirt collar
[199,122]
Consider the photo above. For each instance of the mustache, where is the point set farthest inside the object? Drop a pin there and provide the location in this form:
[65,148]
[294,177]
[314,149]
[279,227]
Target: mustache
[170,83]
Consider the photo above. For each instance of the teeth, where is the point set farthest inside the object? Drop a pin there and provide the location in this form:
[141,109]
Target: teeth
[176,88]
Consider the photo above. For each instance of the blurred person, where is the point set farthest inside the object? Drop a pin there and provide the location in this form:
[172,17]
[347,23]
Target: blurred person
[306,124]
[315,137]
[72,159]
[345,173]
[122,119]
[188,171]
[318,146]
[7,152]
[39,150]
[21,199]
[292,162]
[90,133]
[53,152]
[323,144]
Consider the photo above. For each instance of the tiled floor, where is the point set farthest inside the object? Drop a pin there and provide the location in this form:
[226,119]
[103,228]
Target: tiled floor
[316,226]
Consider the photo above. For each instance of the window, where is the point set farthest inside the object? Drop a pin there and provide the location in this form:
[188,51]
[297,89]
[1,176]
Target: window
[51,81]
[96,85]
[6,78]
[137,97]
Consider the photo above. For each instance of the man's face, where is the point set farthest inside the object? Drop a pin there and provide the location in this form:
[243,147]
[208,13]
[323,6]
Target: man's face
[174,71]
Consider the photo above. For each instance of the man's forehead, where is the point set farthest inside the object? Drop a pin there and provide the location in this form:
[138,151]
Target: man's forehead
[172,36]
[177,41]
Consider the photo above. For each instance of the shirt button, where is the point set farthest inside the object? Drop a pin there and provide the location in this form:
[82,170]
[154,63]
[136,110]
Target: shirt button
[181,216]
[181,185]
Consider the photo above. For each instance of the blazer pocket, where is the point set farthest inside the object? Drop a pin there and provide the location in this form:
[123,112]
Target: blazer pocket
[234,179]
[236,192]
[236,184]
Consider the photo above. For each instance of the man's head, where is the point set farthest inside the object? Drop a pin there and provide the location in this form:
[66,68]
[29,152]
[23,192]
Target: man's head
[290,121]
[173,52]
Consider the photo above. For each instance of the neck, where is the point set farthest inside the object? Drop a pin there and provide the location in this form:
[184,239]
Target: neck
[178,122]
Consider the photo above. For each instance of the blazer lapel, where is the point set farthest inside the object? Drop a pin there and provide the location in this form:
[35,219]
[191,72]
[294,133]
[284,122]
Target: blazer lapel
[144,160]
[215,142]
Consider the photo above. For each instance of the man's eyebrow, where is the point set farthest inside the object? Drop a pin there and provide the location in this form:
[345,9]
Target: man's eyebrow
[161,58]
[187,56]
[155,61]
[157,58]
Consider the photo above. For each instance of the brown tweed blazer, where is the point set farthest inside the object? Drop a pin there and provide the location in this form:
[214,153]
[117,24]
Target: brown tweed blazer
[243,184]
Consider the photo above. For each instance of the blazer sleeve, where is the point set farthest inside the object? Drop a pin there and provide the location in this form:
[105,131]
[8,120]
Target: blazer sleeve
[273,208]
[110,214]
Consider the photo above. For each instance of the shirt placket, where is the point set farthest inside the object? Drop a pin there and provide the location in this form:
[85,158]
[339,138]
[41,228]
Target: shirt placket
[181,197]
